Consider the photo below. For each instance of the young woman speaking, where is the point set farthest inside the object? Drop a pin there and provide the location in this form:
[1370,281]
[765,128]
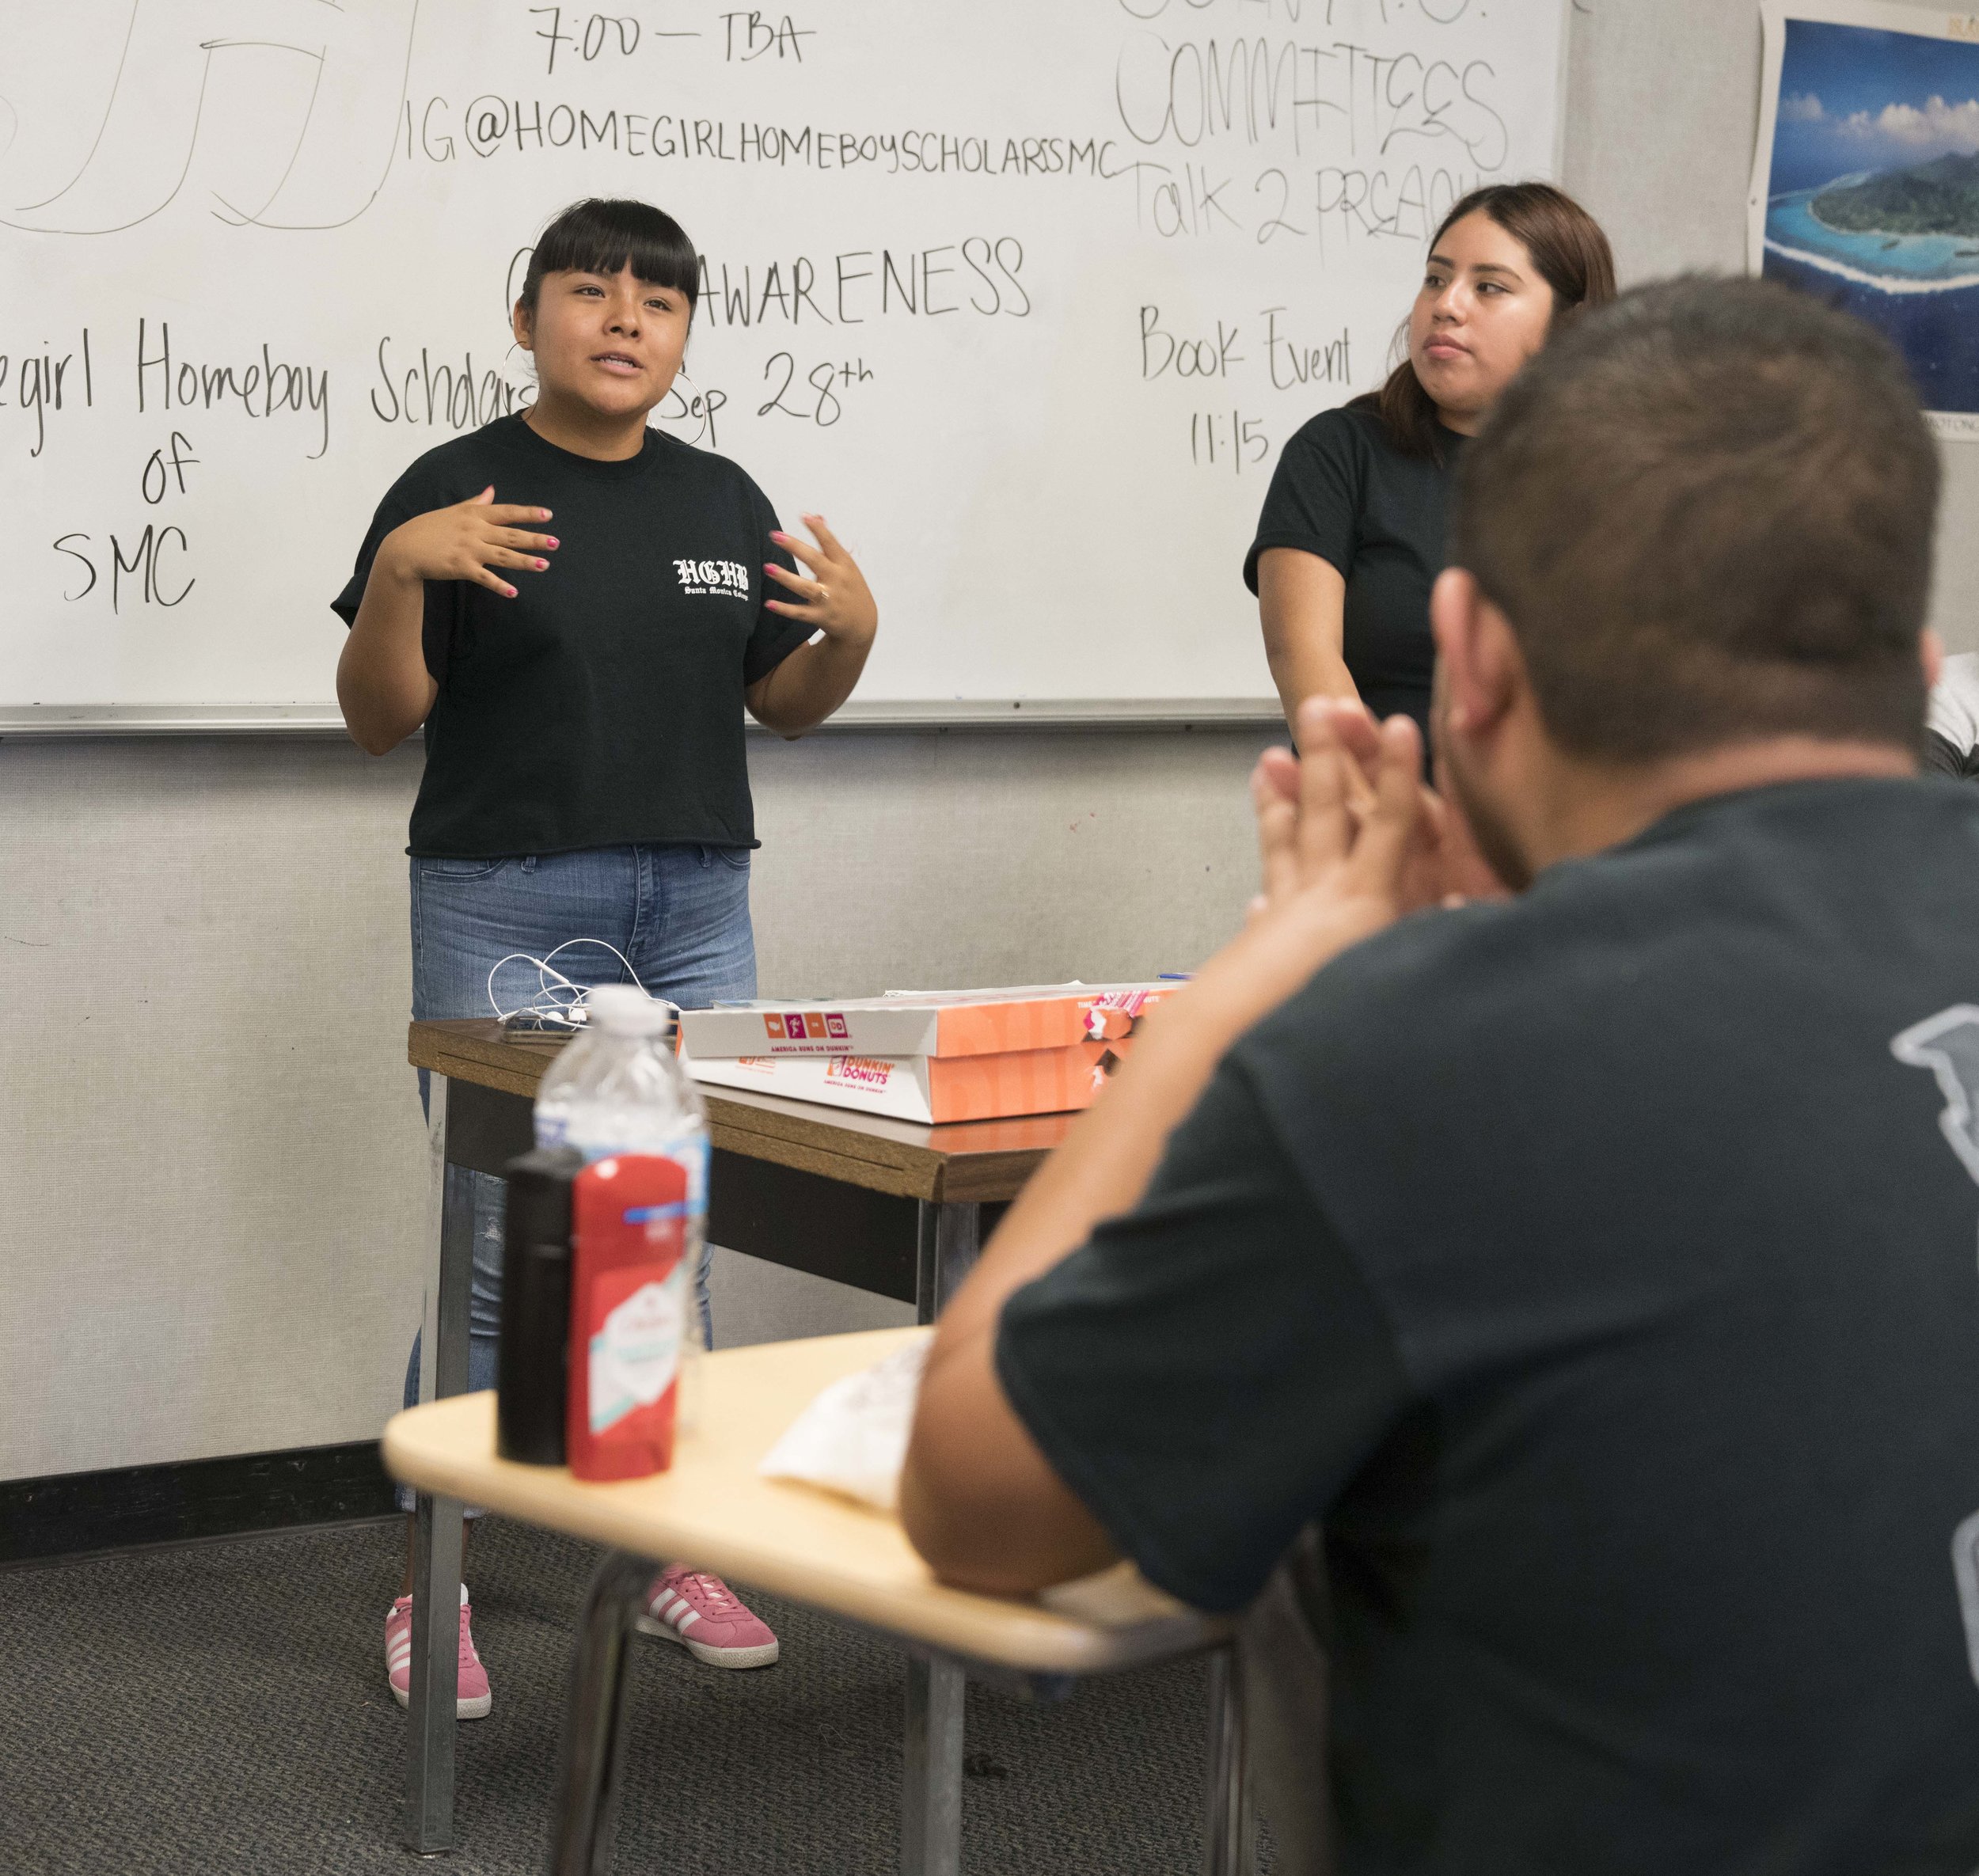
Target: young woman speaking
[576,608]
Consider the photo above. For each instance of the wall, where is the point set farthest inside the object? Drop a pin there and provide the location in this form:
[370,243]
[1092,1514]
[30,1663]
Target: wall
[210,1233]
[1663,110]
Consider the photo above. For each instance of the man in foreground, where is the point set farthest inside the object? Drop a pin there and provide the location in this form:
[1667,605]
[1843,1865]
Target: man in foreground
[1598,1266]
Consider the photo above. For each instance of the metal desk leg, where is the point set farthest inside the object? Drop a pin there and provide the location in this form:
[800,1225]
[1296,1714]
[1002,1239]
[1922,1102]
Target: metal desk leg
[585,1816]
[931,1808]
[436,1551]
[951,1238]
[1229,1827]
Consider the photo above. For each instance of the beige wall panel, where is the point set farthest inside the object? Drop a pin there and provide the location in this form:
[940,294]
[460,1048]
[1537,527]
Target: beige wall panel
[212,1207]
[211,1240]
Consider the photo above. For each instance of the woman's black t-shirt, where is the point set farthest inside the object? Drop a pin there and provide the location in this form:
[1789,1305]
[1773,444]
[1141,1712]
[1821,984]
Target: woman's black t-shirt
[1341,490]
[603,705]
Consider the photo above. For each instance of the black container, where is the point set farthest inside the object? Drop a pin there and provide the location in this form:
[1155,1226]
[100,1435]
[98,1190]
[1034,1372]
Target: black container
[535,1351]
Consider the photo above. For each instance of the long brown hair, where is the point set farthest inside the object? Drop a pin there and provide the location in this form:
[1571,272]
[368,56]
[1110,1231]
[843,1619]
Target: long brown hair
[1572,256]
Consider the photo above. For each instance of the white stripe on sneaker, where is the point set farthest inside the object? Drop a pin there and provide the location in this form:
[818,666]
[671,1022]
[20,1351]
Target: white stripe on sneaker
[688,1618]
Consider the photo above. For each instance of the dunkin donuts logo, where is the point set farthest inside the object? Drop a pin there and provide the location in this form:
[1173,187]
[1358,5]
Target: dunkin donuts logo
[700,578]
[800,1026]
[860,1071]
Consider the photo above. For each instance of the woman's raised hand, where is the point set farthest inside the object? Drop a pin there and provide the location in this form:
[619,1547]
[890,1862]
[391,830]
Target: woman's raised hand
[467,541]
[836,599]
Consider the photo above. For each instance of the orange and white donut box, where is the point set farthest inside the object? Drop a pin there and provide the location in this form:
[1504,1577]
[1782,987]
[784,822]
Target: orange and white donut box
[934,1057]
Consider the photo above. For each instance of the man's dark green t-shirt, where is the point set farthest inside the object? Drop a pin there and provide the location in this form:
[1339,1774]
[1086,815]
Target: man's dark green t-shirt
[1599,1269]
[602,706]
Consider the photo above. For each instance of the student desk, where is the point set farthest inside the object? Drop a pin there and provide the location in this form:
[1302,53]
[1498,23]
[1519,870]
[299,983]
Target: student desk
[714,1510]
[888,1206]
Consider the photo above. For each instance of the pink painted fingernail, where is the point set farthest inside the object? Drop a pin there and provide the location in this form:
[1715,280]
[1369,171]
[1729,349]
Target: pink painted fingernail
[509,590]
[554,541]
[776,536]
[541,565]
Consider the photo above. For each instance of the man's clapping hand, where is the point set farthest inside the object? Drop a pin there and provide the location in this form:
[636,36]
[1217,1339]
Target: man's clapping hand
[1443,866]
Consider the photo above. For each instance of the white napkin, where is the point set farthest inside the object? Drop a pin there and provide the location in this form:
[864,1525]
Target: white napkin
[853,1438]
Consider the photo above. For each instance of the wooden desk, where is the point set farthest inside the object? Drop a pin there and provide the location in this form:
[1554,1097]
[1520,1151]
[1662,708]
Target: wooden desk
[714,1510]
[888,1206]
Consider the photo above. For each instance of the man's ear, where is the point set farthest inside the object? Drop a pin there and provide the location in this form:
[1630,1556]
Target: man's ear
[1931,651]
[1478,658]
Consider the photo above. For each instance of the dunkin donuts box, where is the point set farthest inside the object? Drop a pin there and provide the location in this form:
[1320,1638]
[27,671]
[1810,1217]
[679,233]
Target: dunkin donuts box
[938,1023]
[938,1088]
[970,1055]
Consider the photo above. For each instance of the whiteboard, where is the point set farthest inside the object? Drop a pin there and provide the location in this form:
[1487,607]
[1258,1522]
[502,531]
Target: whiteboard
[1023,297]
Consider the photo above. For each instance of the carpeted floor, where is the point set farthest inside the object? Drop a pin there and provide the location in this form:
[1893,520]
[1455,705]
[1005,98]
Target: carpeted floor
[223,1708]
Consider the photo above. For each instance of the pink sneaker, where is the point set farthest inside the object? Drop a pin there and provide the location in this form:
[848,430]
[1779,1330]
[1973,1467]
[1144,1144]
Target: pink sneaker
[707,1618]
[472,1699]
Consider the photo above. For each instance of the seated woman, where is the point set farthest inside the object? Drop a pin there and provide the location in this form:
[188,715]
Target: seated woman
[1352,535]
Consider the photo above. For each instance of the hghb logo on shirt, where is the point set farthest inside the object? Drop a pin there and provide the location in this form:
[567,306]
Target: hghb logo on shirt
[700,578]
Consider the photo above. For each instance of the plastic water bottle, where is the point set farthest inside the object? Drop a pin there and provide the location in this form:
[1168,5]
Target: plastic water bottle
[618,1088]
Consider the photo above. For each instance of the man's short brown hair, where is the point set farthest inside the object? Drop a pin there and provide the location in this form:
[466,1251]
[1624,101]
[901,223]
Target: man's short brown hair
[1708,511]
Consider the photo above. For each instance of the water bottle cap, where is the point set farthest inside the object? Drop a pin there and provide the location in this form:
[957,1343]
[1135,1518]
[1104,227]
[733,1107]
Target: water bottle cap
[624,1009]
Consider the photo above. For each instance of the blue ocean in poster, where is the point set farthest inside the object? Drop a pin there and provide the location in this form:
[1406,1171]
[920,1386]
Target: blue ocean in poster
[1916,262]
[1880,130]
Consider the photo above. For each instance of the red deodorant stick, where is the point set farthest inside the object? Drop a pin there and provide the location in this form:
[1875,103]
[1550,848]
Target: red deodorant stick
[628,1308]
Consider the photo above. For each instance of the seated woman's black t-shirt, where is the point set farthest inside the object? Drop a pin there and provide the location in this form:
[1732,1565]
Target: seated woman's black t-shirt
[1343,490]
[602,706]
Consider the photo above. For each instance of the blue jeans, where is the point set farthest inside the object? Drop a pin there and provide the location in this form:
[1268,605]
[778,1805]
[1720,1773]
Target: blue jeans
[680,915]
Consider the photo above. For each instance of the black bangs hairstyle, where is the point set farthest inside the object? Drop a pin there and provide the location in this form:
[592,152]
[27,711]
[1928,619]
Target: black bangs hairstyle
[602,236]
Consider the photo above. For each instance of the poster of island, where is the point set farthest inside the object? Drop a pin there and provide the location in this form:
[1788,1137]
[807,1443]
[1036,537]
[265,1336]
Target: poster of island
[1866,181]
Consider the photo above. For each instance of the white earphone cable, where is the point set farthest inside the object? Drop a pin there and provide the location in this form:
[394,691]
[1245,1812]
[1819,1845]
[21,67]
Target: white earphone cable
[559,1001]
